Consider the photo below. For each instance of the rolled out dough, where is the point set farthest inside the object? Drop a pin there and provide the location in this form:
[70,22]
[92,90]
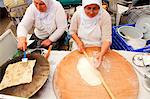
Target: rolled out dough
[87,72]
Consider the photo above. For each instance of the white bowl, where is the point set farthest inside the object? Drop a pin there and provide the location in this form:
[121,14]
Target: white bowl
[130,32]
[136,43]
[146,36]
[143,23]
[146,83]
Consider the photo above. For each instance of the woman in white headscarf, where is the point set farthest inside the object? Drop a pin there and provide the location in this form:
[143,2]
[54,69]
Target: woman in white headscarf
[91,26]
[48,19]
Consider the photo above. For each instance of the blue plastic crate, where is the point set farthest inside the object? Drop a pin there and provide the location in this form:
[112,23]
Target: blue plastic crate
[119,43]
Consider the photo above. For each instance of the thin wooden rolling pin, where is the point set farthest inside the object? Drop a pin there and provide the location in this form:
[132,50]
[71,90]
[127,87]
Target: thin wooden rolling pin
[48,52]
[102,79]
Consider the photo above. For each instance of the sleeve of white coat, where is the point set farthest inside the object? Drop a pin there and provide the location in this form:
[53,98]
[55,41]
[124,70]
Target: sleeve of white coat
[74,24]
[26,23]
[106,27]
[61,23]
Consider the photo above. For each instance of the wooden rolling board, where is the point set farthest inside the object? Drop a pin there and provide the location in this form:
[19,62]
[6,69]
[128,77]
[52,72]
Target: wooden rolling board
[121,78]
[40,75]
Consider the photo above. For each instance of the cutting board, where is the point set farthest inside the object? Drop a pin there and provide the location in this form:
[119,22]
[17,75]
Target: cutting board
[40,75]
[117,72]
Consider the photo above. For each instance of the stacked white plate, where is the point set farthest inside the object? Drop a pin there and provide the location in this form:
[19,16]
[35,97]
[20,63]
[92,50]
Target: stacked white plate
[143,24]
[146,83]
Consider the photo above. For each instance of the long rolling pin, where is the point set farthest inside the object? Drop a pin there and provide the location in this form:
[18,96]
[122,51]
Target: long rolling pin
[48,52]
[106,87]
[102,79]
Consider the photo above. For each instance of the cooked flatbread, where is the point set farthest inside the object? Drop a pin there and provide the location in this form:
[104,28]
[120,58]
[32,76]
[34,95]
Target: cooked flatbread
[88,73]
[18,73]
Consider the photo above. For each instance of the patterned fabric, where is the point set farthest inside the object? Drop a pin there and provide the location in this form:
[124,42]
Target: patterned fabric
[131,15]
[60,44]
[16,8]
[13,3]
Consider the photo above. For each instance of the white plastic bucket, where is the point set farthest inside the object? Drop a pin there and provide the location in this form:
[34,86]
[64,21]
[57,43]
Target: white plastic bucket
[130,32]
[136,43]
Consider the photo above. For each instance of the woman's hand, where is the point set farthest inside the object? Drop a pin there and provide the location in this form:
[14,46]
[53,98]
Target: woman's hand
[22,43]
[81,46]
[78,42]
[46,42]
[100,59]
[104,48]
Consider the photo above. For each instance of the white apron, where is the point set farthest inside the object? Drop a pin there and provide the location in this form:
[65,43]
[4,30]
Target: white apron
[89,36]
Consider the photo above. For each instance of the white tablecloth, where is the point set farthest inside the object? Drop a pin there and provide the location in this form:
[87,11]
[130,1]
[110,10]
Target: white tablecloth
[56,56]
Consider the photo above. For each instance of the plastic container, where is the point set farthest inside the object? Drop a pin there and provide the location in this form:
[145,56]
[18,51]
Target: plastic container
[136,43]
[119,43]
[129,32]
[8,46]
[147,36]
[70,2]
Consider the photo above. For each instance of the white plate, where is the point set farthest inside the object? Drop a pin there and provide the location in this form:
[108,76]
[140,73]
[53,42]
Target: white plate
[146,83]
[143,23]
[138,60]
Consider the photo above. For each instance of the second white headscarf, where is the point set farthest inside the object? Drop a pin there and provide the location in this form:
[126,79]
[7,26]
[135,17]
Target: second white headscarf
[48,4]
[86,21]
[45,18]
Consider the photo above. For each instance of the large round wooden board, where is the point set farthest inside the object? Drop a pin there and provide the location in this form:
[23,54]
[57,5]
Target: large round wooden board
[120,78]
[40,75]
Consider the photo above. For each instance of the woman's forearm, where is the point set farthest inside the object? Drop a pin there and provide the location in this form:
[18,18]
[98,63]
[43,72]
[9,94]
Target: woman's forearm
[57,34]
[76,38]
[104,48]
[79,42]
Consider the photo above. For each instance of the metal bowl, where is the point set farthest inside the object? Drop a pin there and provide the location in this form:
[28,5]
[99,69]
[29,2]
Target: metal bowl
[40,75]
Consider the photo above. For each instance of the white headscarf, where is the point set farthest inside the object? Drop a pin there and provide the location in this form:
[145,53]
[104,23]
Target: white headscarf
[88,2]
[48,4]
[87,21]
[45,18]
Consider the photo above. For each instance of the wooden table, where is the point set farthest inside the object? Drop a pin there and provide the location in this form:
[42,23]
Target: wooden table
[121,78]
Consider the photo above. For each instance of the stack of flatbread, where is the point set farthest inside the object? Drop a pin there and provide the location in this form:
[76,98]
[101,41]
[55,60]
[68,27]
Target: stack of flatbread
[18,73]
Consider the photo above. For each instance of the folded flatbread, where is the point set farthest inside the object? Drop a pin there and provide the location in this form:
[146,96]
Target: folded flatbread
[18,73]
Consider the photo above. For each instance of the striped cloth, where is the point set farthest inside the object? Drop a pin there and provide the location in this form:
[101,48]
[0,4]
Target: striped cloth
[132,15]
[16,8]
